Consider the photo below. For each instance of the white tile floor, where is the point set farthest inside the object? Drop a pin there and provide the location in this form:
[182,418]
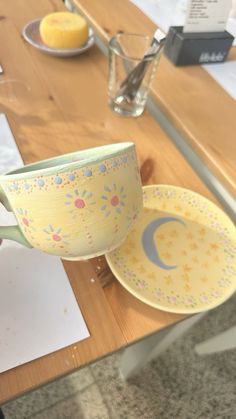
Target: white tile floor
[179,384]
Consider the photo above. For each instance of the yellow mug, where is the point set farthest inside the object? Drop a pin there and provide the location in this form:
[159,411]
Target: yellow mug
[76,206]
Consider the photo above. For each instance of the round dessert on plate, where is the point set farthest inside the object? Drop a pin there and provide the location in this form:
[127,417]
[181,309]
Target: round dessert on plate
[63,30]
[62,34]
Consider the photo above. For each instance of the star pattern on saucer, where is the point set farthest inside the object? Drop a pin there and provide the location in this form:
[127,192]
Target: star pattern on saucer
[168,279]
[190,263]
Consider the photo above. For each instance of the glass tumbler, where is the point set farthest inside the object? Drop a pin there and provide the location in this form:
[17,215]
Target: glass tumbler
[126,51]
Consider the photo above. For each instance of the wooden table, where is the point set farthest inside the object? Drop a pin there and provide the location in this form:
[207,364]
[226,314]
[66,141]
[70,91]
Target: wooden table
[65,109]
[196,105]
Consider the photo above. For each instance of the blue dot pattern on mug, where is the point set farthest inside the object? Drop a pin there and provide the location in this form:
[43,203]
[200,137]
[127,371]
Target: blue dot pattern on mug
[58,180]
[88,173]
[102,168]
[40,182]
[46,180]
[71,177]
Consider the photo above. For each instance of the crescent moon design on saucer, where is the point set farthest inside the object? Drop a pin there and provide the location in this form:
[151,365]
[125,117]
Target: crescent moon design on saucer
[149,244]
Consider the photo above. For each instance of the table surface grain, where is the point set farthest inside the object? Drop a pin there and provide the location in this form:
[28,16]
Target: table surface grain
[193,101]
[63,108]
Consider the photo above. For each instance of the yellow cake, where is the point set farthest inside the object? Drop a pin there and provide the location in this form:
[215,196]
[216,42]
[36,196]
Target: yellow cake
[63,30]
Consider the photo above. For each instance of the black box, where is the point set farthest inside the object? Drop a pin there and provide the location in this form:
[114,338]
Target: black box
[184,48]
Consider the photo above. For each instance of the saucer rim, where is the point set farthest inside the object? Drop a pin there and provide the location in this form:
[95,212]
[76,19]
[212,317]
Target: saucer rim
[159,306]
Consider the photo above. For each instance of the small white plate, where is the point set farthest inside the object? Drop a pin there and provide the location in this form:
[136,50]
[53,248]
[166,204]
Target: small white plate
[32,35]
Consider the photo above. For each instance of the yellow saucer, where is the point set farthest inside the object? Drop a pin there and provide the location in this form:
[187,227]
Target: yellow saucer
[181,257]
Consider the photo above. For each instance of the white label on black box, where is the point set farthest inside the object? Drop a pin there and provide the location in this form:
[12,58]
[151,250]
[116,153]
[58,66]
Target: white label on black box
[206,15]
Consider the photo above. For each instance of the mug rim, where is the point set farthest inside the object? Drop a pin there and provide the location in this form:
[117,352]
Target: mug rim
[23,172]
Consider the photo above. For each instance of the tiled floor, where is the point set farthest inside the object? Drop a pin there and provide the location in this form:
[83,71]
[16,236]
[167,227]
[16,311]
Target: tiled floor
[177,385]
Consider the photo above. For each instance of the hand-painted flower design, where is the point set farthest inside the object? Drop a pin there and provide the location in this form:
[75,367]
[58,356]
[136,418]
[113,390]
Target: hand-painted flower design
[141,284]
[216,293]
[224,282]
[229,270]
[145,196]
[157,193]
[158,294]
[204,298]
[80,200]
[132,215]
[25,220]
[172,299]
[169,194]
[55,236]
[114,197]
[189,301]
[129,272]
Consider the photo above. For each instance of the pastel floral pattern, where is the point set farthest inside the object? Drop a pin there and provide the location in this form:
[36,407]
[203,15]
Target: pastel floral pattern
[132,215]
[114,199]
[224,282]
[141,284]
[76,206]
[158,294]
[172,299]
[190,301]
[26,221]
[80,201]
[203,253]
[55,236]
[59,180]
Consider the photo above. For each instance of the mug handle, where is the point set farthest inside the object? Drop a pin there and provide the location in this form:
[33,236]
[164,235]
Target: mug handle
[11,232]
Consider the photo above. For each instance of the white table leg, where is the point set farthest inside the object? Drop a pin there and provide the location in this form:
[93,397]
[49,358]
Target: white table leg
[137,355]
[222,342]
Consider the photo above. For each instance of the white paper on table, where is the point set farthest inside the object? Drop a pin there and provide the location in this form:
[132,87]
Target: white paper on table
[225,75]
[166,13]
[206,16]
[38,310]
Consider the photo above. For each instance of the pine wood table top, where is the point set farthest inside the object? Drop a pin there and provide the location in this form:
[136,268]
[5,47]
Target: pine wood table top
[65,109]
[192,100]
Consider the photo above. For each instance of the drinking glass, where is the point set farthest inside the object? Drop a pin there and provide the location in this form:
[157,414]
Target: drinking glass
[126,51]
